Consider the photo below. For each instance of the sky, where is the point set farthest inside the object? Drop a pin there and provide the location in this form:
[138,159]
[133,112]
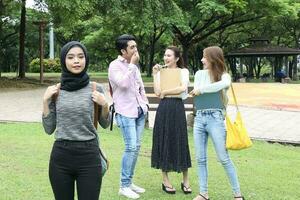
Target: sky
[30,3]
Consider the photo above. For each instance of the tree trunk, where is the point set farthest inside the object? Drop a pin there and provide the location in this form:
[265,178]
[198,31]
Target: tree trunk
[198,56]
[156,34]
[251,68]
[232,66]
[295,71]
[241,67]
[255,64]
[259,66]
[233,69]
[185,54]
[22,41]
[151,58]
[1,14]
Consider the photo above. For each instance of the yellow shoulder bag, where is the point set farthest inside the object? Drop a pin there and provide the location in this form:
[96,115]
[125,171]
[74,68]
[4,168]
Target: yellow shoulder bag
[237,137]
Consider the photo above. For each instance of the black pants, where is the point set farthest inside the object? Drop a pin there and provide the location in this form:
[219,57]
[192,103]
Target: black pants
[75,161]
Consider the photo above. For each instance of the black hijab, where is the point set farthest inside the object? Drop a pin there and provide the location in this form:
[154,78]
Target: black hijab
[70,81]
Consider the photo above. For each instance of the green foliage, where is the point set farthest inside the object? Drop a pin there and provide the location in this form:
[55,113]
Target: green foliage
[97,68]
[156,24]
[50,65]
[9,26]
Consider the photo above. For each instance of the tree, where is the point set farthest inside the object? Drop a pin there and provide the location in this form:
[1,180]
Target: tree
[291,23]
[158,17]
[8,33]
[22,40]
[157,24]
[281,28]
[205,18]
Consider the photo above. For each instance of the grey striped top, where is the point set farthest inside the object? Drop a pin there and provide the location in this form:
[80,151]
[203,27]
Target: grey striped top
[72,115]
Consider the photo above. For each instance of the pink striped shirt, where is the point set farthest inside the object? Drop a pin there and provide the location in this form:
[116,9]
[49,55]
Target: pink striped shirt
[128,88]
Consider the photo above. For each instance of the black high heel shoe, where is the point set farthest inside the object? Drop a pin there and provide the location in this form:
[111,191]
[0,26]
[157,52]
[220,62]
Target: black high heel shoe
[165,188]
[186,190]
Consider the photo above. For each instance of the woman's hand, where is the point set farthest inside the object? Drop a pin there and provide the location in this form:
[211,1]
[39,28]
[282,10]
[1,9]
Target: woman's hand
[162,94]
[99,98]
[155,69]
[195,92]
[50,91]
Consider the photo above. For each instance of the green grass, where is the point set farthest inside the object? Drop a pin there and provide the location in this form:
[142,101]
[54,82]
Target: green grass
[266,171]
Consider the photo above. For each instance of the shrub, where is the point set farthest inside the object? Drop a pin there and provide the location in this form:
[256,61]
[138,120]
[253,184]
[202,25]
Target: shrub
[97,68]
[50,65]
[34,65]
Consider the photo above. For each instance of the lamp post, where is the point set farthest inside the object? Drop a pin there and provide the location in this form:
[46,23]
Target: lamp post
[51,41]
[41,25]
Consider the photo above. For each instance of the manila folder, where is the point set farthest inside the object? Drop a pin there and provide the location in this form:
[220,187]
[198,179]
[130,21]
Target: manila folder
[169,79]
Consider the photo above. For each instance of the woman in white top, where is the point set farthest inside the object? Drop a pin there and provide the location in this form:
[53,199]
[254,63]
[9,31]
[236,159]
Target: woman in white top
[210,88]
[170,149]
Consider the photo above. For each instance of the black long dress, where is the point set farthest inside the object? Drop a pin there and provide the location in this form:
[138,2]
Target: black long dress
[170,148]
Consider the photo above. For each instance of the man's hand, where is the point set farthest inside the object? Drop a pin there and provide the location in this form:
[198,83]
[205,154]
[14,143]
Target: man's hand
[135,58]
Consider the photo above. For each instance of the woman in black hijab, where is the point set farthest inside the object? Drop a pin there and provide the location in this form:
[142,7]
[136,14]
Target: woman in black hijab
[75,154]
[73,81]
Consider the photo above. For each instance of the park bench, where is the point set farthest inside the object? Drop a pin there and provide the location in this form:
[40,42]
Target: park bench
[154,100]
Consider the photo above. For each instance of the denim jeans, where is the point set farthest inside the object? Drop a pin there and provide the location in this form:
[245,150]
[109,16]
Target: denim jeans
[132,129]
[211,123]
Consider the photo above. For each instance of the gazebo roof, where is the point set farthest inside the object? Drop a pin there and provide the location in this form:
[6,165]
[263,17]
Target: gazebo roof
[262,48]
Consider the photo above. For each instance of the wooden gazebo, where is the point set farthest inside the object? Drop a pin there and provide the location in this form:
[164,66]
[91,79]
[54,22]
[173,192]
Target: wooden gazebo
[281,58]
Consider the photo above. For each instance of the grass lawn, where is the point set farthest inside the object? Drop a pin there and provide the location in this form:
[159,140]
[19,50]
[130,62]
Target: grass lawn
[266,171]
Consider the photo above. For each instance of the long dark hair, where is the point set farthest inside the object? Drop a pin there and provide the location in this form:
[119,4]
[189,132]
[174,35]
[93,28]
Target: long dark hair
[177,54]
[215,57]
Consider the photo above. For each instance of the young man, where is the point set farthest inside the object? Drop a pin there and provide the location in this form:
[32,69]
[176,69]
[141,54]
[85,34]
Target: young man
[130,103]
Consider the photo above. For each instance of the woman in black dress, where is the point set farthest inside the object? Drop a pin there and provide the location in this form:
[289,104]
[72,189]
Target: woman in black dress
[170,149]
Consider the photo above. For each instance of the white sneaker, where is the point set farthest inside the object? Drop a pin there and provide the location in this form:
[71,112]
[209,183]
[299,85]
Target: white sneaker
[137,189]
[127,192]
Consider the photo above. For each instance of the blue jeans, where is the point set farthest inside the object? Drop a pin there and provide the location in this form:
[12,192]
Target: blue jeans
[132,129]
[211,123]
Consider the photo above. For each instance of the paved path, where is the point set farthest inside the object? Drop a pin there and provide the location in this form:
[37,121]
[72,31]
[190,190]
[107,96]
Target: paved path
[264,124]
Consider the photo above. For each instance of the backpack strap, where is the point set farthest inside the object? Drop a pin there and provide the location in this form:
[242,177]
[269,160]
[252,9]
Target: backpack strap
[110,89]
[111,107]
[96,107]
[55,96]
[96,117]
